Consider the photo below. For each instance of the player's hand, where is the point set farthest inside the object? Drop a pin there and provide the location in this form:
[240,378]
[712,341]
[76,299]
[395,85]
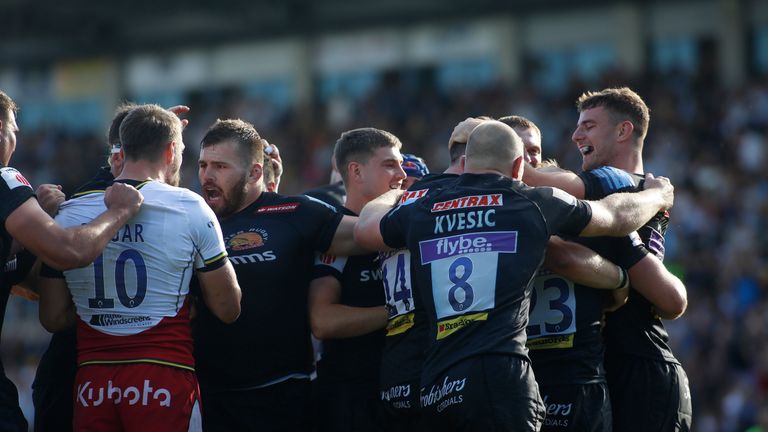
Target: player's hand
[274,154]
[178,110]
[50,197]
[121,196]
[665,188]
[462,130]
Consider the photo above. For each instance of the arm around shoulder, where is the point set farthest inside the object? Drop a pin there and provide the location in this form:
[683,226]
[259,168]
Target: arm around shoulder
[654,282]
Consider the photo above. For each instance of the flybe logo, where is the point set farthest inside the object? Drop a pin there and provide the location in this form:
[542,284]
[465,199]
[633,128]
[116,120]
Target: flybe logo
[494,200]
[444,247]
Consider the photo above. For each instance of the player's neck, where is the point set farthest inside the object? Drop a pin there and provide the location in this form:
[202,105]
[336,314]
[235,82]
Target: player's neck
[251,196]
[142,170]
[355,202]
[630,162]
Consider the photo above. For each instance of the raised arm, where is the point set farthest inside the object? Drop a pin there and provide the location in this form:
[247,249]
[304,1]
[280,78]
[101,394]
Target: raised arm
[584,266]
[344,243]
[620,214]
[367,231]
[554,177]
[74,247]
[331,320]
[666,291]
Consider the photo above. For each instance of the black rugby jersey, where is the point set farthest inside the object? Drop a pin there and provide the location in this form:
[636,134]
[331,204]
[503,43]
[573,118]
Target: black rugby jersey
[564,338]
[271,244]
[14,191]
[633,328]
[354,358]
[407,335]
[333,194]
[477,245]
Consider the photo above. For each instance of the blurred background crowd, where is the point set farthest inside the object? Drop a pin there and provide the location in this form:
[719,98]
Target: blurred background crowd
[702,67]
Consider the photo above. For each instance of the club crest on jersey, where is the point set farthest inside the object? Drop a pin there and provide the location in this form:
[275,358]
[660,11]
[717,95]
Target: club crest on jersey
[493,200]
[280,208]
[251,239]
[13,178]
[410,197]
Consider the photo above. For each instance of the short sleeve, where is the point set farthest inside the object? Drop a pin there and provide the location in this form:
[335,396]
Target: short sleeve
[14,191]
[206,235]
[603,181]
[392,226]
[319,222]
[563,212]
[328,265]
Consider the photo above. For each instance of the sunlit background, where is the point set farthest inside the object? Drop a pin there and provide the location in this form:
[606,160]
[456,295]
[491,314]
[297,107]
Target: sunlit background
[303,71]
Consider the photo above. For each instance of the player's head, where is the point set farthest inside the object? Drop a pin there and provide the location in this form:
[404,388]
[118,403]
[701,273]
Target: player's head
[611,122]
[115,159]
[457,143]
[369,161]
[530,134]
[415,168]
[152,134]
[230,166]
[8,128]
[494,146]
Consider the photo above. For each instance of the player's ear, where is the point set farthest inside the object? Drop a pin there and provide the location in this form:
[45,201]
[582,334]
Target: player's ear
[257,170]
[517,168]
[170,149]
[625,130]
[354,171]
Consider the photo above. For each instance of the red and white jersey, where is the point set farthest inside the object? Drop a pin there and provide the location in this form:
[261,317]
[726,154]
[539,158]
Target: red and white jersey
[132,300]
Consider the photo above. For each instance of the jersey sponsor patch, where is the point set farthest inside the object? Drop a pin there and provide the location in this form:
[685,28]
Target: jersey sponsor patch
[13,178]
[448,327]
[561,341]
[495,200]
[410,197]
[280,208]
[444,247]
[400,324]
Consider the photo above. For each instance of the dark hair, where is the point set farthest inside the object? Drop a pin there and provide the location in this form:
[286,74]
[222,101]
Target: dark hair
[622,103]
[358,145]
[146,130]
[249,144]
[6,104]
[113,135]
[519,122]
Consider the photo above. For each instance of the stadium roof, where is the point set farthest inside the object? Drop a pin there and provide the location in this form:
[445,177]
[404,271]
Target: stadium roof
[42,30]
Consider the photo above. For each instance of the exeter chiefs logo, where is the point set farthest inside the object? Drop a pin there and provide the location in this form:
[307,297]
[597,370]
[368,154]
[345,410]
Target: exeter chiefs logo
[243,240]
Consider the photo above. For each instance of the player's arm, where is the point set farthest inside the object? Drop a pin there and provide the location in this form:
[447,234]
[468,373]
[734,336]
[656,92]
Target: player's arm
[617,299]
[584,266]
[554,177]
[666,291]
[367,229]
[331,320]
[78,246]
[57,312]
[620,214]
[343,243]
[221,292]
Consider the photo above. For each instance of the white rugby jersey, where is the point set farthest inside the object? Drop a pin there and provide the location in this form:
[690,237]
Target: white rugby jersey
[139,284]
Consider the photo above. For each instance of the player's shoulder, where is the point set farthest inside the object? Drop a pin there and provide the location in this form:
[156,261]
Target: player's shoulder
[295,203]
[610,178]
[12,178]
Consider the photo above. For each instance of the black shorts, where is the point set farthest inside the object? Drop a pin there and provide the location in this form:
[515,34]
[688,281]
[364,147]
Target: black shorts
[347,406]
[648,395]
[279,407]
[54,382]
[11,417]
[486,392]
[577,408]
[401,407]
